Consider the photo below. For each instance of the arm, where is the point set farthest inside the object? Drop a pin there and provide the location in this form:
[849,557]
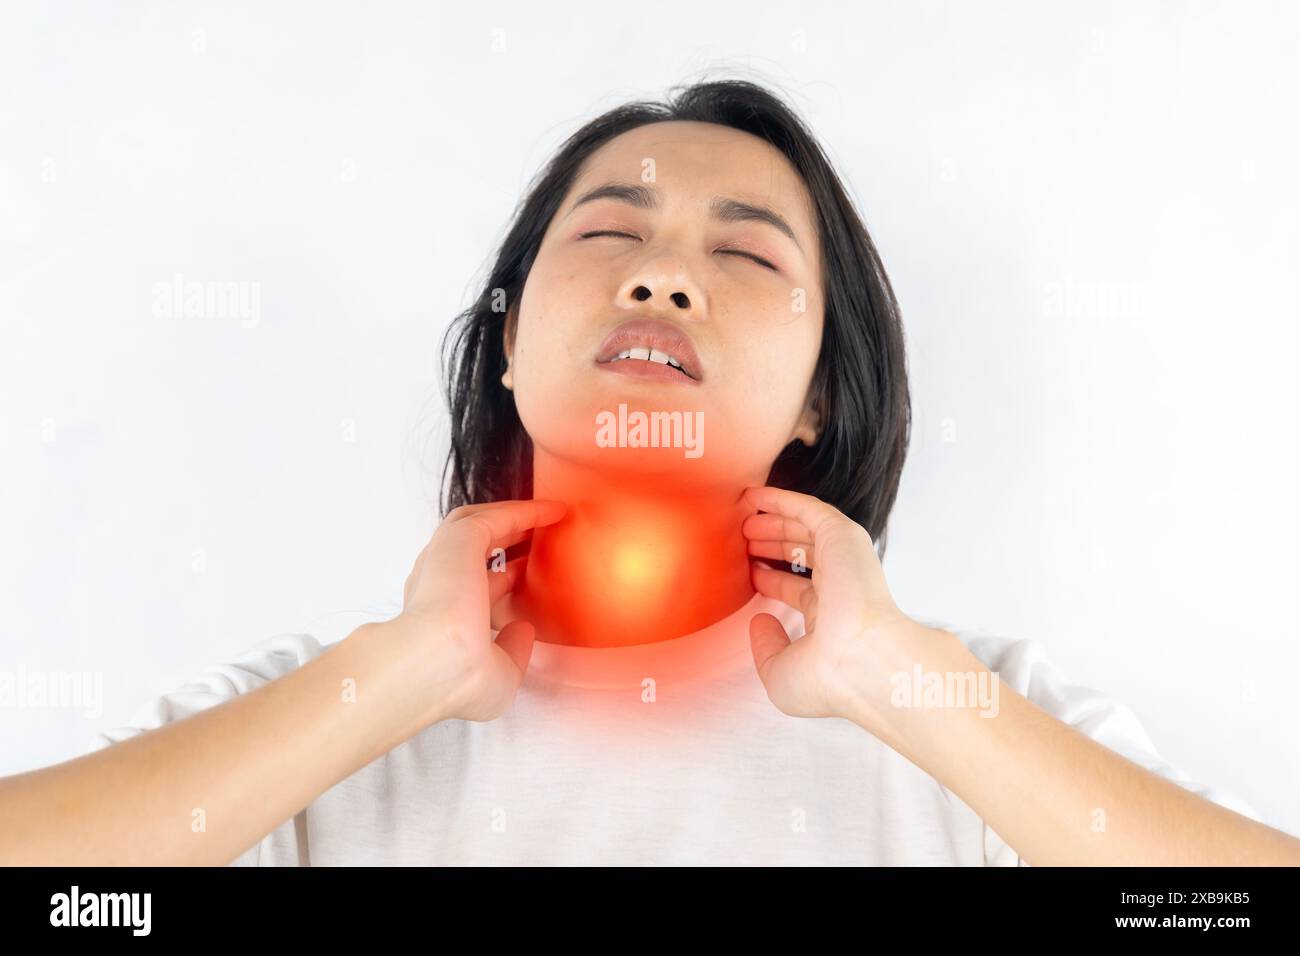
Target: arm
[1034,779]
[247,764]
[1040,782]
[254,761]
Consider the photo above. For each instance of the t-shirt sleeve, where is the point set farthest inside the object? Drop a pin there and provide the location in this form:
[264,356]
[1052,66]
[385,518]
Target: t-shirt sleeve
[250,669]
[1023,665]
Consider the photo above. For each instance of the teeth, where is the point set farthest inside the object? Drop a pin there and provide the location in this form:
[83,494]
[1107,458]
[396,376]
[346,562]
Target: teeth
[650,355]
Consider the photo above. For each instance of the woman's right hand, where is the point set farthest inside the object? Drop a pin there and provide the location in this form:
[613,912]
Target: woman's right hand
[446,614]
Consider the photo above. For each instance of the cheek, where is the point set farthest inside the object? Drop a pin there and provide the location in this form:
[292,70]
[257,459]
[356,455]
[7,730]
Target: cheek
[774,359]
[768,392]
[552,396]
[536,335]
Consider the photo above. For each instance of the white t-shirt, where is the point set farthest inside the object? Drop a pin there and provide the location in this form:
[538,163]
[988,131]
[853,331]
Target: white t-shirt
[593,765]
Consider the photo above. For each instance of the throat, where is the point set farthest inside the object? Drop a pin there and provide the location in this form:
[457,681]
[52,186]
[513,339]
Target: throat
[632,563]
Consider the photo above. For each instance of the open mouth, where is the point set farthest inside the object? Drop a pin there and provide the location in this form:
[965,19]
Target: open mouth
[650,348]
[647,364]
[650,355]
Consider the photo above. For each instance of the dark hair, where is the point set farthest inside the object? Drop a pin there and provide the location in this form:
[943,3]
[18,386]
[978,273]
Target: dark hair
[859,385]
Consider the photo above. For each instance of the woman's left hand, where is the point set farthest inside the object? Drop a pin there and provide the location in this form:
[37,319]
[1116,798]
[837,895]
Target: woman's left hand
[855,637]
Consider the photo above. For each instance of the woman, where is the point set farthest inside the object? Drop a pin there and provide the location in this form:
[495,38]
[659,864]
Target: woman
[680,403]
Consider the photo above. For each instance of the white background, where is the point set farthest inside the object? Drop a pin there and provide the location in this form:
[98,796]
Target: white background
[1089,214]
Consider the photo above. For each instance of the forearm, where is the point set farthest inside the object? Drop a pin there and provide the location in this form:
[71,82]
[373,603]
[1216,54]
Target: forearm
[206,788]
[1057,796]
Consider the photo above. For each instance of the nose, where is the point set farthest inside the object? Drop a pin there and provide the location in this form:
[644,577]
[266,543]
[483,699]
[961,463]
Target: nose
[680,299]
[664,285]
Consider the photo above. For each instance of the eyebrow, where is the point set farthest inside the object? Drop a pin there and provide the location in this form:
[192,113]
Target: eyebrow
[722,208]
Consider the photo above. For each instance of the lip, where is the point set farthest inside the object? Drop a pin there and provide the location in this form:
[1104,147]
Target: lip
[650,333]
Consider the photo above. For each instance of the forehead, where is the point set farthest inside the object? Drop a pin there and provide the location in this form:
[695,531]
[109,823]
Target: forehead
[696,162]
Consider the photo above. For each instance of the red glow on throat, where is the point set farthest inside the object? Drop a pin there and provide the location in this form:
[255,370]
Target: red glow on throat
[611,576]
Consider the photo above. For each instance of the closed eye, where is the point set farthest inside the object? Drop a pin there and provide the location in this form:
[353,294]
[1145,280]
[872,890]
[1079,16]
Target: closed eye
[734,252]
[749,255]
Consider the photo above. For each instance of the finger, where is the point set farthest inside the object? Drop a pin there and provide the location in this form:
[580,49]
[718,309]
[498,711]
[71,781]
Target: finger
[792,589]
[500,548]
[770,527]
[491,524]
[463,510]
[497,585]
[813,513]
[767,638]
[500,582]
[505,520]
[516,642]
[781,551]
[509,542]
[844,554]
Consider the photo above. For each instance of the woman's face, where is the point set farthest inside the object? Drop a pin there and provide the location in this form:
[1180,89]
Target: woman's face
[676,246]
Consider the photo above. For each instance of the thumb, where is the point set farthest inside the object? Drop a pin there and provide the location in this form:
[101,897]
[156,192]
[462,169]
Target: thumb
[767,638]
[516,639]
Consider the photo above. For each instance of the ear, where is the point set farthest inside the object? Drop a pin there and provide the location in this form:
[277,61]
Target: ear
[809,426]
[508,345]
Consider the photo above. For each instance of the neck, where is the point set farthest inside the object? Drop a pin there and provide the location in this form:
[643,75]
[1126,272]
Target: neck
[637,558]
